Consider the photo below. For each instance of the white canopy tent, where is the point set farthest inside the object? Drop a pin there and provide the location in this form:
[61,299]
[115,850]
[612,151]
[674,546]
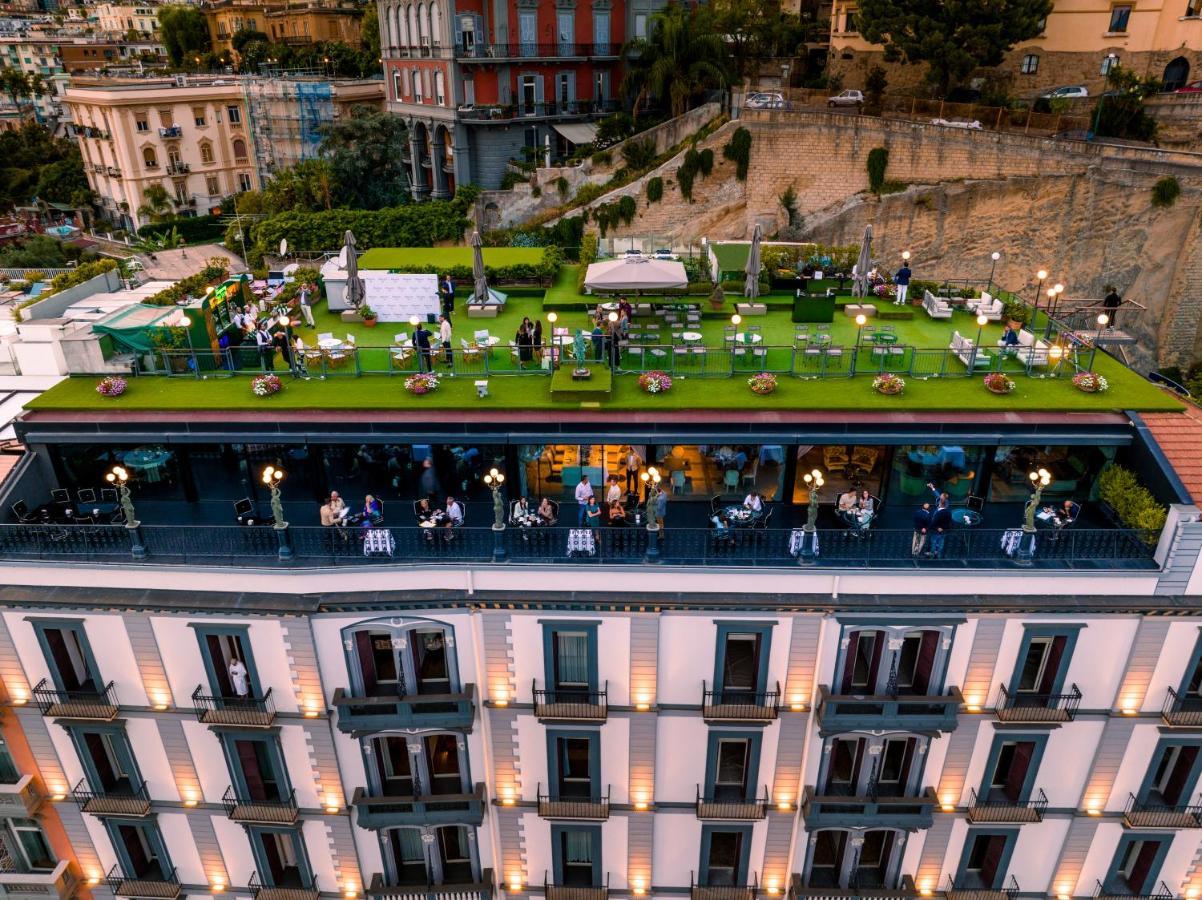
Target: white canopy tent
[636,273]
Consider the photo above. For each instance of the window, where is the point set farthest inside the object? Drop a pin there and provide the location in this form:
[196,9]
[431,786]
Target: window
[1011,768]
[1119,17]
[640,26]
[212,186]
[396,84]
[8,768]
[887,766]
[108,759]
[141,853]
[256,765]
[239,146]
[1108,63]
[574,765]
[206,153]
[601,32]
[150,158]
[732,766]
[141,124]
[565,22]
[198,117]
[832,865]
[724,855]
[280,857]
[741,667]
[1172,776]
[1043,661]
[451,861]
[27,847]
[1136,865]
[228,661]
[244,182]
[439,88]
[570,661]
[891,660]
[416,657]
[467,34]
[1030,64]
[985,860]
[68,654]
[576,855]
[234,114]
[432,764]
[416,76]
[528,33]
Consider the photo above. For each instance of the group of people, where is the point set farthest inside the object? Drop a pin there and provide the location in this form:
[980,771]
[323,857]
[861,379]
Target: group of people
[857,508]
[429,516]
[544,514]
[617,498]
[529,342]
[336,514]
[931,524]
[754,505]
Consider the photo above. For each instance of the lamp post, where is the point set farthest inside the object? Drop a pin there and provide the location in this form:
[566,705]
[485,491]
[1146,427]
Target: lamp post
[552,318]
[613,339]
[651,479]
[1040,479]
[809,532]
[1047,315]
[861,319]
[1056,355]
[1103,319]
[271,478]
[995,256]
[1041,275]
[493,480]
[976,348]
[119,477]
[1113,61]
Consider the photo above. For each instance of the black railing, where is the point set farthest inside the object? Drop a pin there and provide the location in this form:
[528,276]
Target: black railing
[1182,710]
[710,806]
[359,715]
[554,806]
[532,50]
[739,705]
[477,890]
[99,704]
[1005,810]
[143,887]
[178,168]
[173,132]
[855,890]
[1031,707]
[1162,892]
[540,109]
[570,703]
[1008,891]
[240,808]
[575,892]
[270,892]
[250,711]
[1147,814]
[722,891]
[131,801]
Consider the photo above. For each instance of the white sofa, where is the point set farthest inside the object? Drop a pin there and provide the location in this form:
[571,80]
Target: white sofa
[963,348]
[1030,349]
[986,305]
[935,307]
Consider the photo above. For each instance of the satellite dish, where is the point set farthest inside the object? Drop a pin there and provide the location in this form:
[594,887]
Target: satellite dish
[342,257]
[283,246]
[290,269]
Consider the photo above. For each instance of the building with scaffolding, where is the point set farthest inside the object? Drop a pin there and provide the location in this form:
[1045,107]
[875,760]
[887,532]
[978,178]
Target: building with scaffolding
[288,111]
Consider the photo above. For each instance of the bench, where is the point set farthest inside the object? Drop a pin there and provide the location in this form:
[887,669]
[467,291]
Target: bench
[483,311]
[935,307]
[963,349]
[867,310]
[751,309]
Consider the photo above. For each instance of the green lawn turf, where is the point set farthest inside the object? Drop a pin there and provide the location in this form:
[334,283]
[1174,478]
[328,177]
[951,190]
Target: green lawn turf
[445,257]
[563,291]
[731,256]
[1128,391]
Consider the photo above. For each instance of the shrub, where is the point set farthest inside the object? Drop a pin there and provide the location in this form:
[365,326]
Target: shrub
[193,230]
[655,189]
[78,275]
[602,158]
[705,162]
[638,154]
[1016,312]
[688,172]
[589,192]
[1165,192]
[536,192]
[878,161]
[511,179]
[561,185]
[193,285]
[588,256]
[627,208]
[738,151]
[615,127]
[1133,503]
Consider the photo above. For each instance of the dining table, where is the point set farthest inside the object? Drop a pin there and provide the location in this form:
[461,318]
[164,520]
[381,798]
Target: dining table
[330,343]
[965,517]
[748,337]
[691,337]
[885,338]
[148,462]
[741,516]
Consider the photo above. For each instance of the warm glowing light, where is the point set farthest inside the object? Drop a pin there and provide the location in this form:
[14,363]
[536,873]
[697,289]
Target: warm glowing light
[217,886]
[905,254]
[58,792]
[973,704]
[93,879]
[982,320]
[797,703]
[638,886]
[642,702]
[515,883]
[1191,893]
[161,700]
[19,696]
[1103,319]
[500,696]
[190,798]
[925,888]
[350,889]
[772,885]
[640,801]
[736,319]
[948,803]
[1041,274]
[332,804]
[861,319]
[1093,810]
[1059,288]
[552,317]
[995,256]
[1129,710]
[1062,897]
[507,795]
[1055,351]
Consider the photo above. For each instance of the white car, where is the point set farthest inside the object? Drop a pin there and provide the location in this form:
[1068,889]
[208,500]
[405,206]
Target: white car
[1069,92]
[765,100]
[846,98]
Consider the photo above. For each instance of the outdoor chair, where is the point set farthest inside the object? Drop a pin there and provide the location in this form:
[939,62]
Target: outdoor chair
[730,479]
[401,339]
[750,475]
[678,481]
[60,495]
[21,510]
[86,495]
[728,333]
[471,352]
[975,503]
[350,339]
[108,495]
[313,357]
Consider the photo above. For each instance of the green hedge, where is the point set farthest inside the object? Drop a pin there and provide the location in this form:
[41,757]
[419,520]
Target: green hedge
[216,271]
[1133,503]
[498,275]
[192,230]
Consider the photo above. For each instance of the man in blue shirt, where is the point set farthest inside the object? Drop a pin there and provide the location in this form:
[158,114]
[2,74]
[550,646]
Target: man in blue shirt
[902,281]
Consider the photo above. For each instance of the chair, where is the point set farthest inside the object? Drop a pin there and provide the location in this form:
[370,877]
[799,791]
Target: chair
[401,339]
[86,495]
[84,520]
[481,337]
[471,352]
[313,357]
[730,479]
[60,495]
[864,458]
[21,511]
[750,474]
[678,481]
[835,458]
[350,339]
[975,503]
[717,503]
[108,495]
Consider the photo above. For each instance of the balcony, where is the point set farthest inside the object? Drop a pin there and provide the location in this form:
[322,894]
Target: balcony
[58,884]
[1005,811]
[246,712]
[509,52]
[502,113]
[851,712]
[178,168]
[481,890]
[739,706]
[594,808]
[1145,814]
[94,706]
[434,809]
[723,891]
[163,888]
[1034,709]
[173,132]
[742,810]
[362,715]
[260,812]
[907,889]
[575,892]
[132,802]
[260,891]
[114,172]
[1162,893]
[1009,892]
[1182,712]
[559,705]
[829,811]
[21,799]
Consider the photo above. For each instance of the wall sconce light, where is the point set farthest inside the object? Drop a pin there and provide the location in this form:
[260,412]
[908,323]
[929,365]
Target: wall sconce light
[782,803]
[772,886]
[638,886]
[1191,893]
[507,795]
[948,803]
[515,883]
[925,889]
[161,700]
[217,885]
[642,702]
[973,704]
[94,879]
[350,890]
[58,792]
[19,696]
[1092,809]
[796,703]
[311,709]
[500,696]
[332,804]
[190,799]
[1129,709]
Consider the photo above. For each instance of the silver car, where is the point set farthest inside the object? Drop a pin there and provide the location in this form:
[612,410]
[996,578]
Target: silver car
[846,98]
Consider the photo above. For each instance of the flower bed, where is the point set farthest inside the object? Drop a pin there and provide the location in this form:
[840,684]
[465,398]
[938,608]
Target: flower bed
[763,383]
[655,382]
[997,383]
[421,384]
[112,386]
[1090,382]
[888,384]
[266,385]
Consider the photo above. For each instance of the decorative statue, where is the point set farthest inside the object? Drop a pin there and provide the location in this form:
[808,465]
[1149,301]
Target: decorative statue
[127,506]
[1031,507]
[578,347]
[277,507]
[812,512]
[498,509]
[652,506]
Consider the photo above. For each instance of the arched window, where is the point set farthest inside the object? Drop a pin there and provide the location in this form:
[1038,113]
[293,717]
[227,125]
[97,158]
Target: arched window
[423,24]
[439,91]
[239,149]
[411,36]
[206,153]
[1176,74]
[436,24]
[417,86]
[396,84]
[451,857]
[401,657]
[150,158]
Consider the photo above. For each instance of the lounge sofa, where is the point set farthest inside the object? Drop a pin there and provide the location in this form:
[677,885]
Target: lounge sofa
[1030,349]
[936,308]
[963,348]
[986,305]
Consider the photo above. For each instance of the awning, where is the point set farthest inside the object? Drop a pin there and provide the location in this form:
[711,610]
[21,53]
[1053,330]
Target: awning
[578,132]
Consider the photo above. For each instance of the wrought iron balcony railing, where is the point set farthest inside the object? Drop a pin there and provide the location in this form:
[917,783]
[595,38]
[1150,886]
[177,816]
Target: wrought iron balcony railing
[131,801]
[1025,707]
[476,890]
[1005,811]
[96,705]
[1009,891]
[734,705]
[260,891]
[1182,710]
[144,887]
[832,810]
[173,132]
[575,892]
[178,168]
[249,811]
[361,715]
[533,50]
[1162,892]
[914,712]
[710,806]
[722,891]
[247,712]
[1147,814]
[855,890]
[568,704]
[554,806]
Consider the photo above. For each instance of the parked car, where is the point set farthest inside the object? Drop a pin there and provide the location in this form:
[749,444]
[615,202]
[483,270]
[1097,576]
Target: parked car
[1194,87]
[765,100]
[1068,92]
[846,98]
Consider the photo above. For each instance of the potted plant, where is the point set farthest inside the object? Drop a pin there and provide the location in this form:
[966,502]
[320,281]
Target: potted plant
[170,339]
[762,383]
[266,385]
[422,383]
[369,317]
[1090,382]
[112,386]
[997,383]
[717,297]
[888,384]
[655,382]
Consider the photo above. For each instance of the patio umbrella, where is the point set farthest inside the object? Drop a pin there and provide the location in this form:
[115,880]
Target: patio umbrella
[751,287]
[859,284]
[480,292]
[356,293]
[635,273]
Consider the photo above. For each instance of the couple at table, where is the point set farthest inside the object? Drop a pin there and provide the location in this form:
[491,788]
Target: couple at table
[522,515]
[430,517]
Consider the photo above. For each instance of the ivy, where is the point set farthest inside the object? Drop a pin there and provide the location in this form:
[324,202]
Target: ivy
[588,256]
[655,189]
[706,162]
[738,151]
[627,208]
[1165,192]
[878,161]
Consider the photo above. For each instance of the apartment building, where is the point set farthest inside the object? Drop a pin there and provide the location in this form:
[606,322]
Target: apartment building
[191,137]
[121,19]
[1080,42]
[479,84]
[37,56]
[283,21]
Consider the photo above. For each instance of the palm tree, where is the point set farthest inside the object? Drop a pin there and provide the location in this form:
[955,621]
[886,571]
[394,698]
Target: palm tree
[156,204]
[680,58]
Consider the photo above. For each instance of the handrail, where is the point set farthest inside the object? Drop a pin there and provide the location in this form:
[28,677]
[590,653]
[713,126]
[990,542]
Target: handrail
[708,807]
[203,704]
[241,808]
[48,698]
[256,886]
[552,806]
[733,703]
[1162,893]
[570,703]
[1032,707]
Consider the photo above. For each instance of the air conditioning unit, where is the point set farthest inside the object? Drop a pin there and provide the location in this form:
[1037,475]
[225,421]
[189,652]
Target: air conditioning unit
[181,80]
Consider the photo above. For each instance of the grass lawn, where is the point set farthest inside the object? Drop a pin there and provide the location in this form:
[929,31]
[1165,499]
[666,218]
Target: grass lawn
[445,257]
[731,256]
[563,291]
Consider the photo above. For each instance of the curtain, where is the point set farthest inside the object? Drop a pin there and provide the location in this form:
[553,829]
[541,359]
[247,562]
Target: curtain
[578,847]
[1020,763]
[571,657]
[1051,667]
[925,665]
[409,845]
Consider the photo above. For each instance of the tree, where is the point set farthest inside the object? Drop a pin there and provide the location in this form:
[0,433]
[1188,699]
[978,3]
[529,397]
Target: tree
[364,153]
[184,32]
[156,204]
[1120,111]
[244,36]
[951,38]
[21,85]
[681,58]
[752,30]
[369,32]
[874,91]
[64,181]
[25,154]
[306,186]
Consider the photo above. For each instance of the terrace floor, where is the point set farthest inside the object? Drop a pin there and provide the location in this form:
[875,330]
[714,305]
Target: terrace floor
[727,391]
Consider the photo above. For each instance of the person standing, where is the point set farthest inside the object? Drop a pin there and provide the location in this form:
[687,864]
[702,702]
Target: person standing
[447,290]
[584,491]
[444,336]
[239,677]
[524,341]
[598,341]
[306,307]
[922,524]
[537,340]
[429,480]
[1112,301]
[266,348]
[421,340]
[633,464]
[941,521]
[902,281]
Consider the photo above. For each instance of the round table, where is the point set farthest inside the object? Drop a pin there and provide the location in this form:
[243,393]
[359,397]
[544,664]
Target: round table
[963,516]
[691,337]
[748,337]
[491,341]
[885,337]
[740,516]
[148,462]
[329,344]
[612,306]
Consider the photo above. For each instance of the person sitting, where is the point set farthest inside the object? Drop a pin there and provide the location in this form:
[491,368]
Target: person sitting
[521,510]
[1069,512]
[722,530]
[867,502]
[425,512]
[338,508]
[846,508]
[328,519]
[754,502]
[1010,339]
[617,514]
[546,512]
[373,512]
[454,513]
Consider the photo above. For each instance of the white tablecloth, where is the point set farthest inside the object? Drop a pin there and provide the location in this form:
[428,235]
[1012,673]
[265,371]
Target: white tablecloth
[1012,538]
[581,540]
[378,542]
[796,537]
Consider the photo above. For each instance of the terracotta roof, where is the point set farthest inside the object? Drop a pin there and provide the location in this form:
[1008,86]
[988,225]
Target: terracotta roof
[1180,437]
[8,462]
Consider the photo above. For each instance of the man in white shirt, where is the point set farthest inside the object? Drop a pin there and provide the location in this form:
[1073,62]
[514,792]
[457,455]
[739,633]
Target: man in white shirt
[239,678]
[753,502]
[454,512]
[444,335]
[584,490]
[614,493]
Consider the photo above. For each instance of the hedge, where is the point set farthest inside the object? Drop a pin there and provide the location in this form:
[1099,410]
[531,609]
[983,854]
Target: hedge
[78,275]
[216,271]
[1133,503]
[497,275]
[192,230]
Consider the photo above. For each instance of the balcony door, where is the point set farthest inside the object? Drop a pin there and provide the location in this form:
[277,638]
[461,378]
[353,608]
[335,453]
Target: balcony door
[732,764]
[1013,769]
[874,867]
[576,855]
[257,768]
[108,760]
[894,767]
[442,855]
[724,856]
[827,859]
[575,759]
[456,863]
[845,770]
[1039,670]
[839,862]
[894,662]
[862,662]
[280,857]
[887,766]
[229,663]
[413,660]
[572,664]
[1172,776]
[438,767]
[741,673]
[69,656]
[986,856]
[1137,865]
[914,663]
[140,850]
[406,853]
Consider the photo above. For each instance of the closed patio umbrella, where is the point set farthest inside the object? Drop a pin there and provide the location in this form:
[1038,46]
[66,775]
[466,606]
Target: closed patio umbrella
[480,280]
[859,284]
[356,293]
[751,287]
